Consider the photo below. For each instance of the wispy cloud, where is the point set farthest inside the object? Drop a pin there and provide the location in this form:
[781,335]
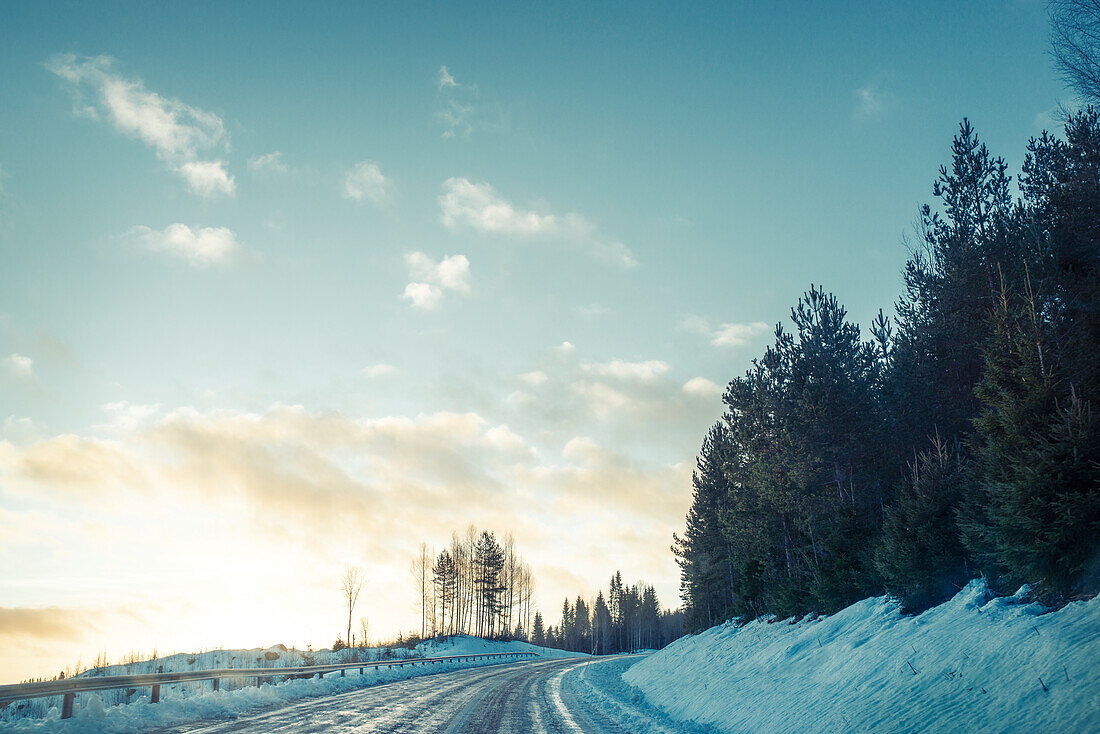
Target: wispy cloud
[874,98]
[365,181]
[724,335]
[479,206]
[446,81]
[202,246]
[381,369]
[647,371]
[457,105]
[431,278]
[180,134]
[268,163]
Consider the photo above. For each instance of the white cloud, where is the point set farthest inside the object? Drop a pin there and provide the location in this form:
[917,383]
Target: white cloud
[177,132]
[701,387]
[565,348]
[737,335]
[431,278]
[618,369]
[380,370]
[365,181]
[450,273]
[18,366]
[724,335]
[270,162]
[201,246]
[423,295]
[480,207]
[446,81]
[208,178]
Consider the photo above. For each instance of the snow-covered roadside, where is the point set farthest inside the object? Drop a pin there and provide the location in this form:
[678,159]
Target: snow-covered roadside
[182,704]
[972,664]
[601,685]
[466,645]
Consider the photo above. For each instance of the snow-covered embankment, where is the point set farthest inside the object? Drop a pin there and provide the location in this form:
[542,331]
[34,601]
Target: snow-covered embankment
[971,664]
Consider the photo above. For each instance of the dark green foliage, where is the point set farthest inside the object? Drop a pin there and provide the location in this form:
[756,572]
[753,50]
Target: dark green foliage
[818,487]
[633,621]
[703,554]
[920,554]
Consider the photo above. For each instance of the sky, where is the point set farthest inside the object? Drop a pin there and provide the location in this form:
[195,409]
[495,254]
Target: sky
[286,287]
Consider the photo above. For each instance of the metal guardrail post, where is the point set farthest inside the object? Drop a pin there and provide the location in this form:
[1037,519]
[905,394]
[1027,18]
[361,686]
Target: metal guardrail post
[67,705]
[217,684]
[156,693]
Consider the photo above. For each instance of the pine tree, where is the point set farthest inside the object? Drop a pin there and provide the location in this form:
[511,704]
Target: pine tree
[921,556]
[703,554]
[538,633]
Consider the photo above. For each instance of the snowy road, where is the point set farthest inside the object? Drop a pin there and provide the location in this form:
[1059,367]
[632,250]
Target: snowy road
[541,696]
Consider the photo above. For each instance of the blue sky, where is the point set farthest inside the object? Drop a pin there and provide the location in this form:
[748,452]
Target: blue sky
[302,269]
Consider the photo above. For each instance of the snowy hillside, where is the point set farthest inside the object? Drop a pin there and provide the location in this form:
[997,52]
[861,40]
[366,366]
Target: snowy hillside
[972,664]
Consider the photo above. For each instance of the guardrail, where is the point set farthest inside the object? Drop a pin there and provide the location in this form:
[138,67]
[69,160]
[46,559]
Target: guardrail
[67,688]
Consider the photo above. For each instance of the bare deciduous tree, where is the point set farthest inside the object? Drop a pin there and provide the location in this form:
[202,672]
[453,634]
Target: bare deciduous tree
[351,585]
[1075,44]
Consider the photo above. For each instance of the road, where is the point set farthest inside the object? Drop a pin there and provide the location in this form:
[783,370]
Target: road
[538,696]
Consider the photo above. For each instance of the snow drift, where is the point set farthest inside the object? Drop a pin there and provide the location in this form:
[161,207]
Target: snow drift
[973,664]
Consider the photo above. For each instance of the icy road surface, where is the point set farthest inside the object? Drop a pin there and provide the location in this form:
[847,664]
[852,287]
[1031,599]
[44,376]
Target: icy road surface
[564,695]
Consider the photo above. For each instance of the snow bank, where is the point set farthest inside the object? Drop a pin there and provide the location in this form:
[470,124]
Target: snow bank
[191,702]
[467,645]
[970,665]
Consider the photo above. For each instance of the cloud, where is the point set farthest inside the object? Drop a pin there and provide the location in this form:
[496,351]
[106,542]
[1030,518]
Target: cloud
[179,133]
[208,178]
[702,387]
[380,370]
[18,366]
[534,378]
[592,311]
[422,295]
[452,272]
[446,81]
[724,335]
[432,278]
[19,623]
[618,369]
[268,162]
[738,335]
[458,107]
[478,206]
[365,181]
[126,416]
[874,99]
[200,247]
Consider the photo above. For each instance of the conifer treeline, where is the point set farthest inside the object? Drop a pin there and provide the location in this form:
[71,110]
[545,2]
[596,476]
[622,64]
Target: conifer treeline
[960,439]
[630,618]
[475,586]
